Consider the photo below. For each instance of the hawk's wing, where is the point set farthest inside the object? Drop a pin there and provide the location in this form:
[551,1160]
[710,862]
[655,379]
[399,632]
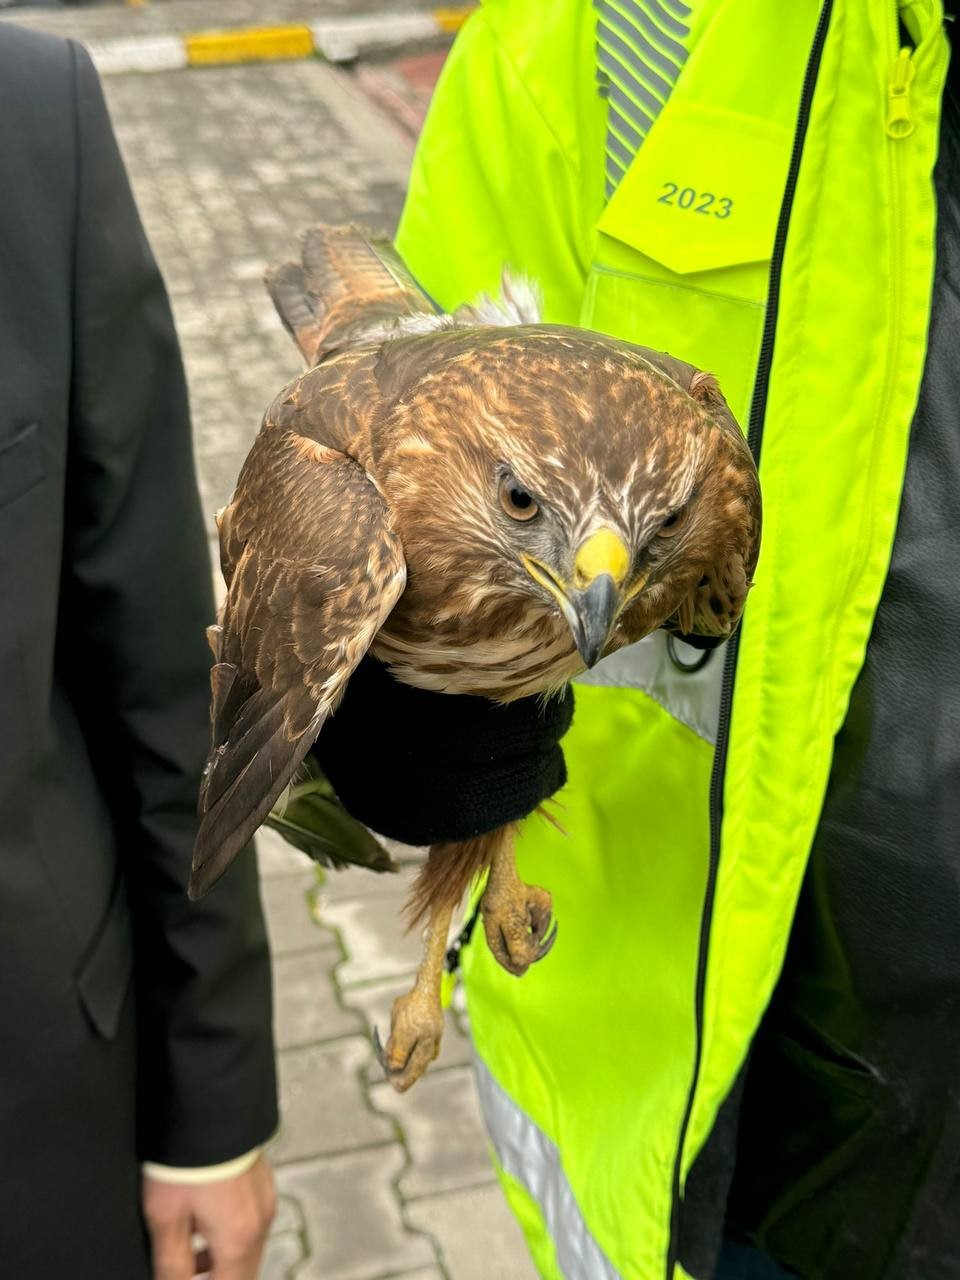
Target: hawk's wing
[317,570]
[346,284]
[713,606]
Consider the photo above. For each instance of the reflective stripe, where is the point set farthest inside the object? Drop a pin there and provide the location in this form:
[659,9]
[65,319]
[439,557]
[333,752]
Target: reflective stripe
[612,55]
[619,149]
[666,49]
[663,19]
[692,697]
[638,61]
[529,1156]
[620,128]
[643,55]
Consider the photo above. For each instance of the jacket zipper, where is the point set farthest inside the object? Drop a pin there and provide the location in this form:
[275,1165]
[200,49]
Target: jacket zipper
[758,409]
[899,126]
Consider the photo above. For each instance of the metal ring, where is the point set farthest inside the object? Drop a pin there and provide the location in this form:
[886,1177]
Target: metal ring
[688,668]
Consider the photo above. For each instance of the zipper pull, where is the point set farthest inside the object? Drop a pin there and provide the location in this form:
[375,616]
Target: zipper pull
[899,121]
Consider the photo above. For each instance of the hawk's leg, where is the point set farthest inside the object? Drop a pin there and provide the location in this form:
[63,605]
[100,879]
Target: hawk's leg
[516,916]
[416,1020]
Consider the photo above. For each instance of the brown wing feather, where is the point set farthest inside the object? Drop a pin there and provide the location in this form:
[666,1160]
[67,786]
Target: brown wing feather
[715,603]
[346,282]
[316,570]
[713,599]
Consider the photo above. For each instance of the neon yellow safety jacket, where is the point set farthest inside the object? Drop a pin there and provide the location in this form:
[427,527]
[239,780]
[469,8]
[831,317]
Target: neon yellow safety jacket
[746,186]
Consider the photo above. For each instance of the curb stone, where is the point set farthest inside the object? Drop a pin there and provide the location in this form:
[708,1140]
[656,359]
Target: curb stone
[337,39]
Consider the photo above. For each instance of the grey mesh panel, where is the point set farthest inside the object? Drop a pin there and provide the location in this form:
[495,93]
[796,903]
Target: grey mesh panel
[692,697]
[640,52]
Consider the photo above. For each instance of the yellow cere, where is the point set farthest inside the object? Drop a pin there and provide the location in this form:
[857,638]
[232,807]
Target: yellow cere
[603,552]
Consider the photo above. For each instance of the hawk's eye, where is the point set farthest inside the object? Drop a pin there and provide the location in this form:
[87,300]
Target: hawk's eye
[672,523]
[516,501]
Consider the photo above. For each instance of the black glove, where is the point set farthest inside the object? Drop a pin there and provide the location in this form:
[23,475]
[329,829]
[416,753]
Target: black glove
[428,768]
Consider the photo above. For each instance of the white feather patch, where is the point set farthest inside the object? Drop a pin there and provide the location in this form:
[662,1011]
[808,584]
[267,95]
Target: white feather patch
[407,327]
[519,302]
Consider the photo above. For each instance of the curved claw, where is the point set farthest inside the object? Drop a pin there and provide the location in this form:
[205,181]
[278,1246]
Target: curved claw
[519,924]
[422,1044]
[381,1053]
[547,943]
[379,1050]
[517,953]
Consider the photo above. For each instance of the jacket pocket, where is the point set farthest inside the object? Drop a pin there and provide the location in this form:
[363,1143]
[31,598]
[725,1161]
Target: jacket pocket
[813,1126]
[683,247]
[21,463]
[808,1111]
[719,334]
[104,973]
[702,193]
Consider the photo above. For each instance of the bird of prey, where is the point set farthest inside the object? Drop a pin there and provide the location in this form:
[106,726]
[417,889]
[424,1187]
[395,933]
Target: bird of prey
[485,503]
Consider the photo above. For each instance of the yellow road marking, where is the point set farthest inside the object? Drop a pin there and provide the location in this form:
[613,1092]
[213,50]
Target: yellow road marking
[451,20]
[253,44]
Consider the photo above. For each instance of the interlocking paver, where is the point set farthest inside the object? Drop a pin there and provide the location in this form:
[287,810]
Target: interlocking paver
[277,858]
[478,1237]
[287,1244]
[246,158]
[425,1273]
[160,17]
[354,1231]
[325,1109]
[374,936]
[440,1118]
[281,1256]
[307,1005]
[288,1217]
[356,882]
[290,925]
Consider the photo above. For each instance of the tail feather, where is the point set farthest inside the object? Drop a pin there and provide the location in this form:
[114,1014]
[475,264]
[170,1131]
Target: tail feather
[287,286]
[347,283]
[230,818]
[247,770]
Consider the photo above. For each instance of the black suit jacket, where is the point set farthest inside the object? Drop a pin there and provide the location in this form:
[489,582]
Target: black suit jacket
[104,597]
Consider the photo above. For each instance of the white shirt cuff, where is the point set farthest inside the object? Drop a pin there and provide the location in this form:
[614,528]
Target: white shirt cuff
[198,1177]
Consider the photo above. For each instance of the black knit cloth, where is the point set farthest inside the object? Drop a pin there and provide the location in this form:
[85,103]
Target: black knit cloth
[427,768]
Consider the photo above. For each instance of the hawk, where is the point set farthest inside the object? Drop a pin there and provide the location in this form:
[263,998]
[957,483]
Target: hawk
[485,503]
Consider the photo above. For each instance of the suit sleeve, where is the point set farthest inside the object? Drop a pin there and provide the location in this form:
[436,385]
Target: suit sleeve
[137,598]
[491,186]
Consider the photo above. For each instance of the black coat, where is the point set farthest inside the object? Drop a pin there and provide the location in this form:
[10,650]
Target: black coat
[133,1024]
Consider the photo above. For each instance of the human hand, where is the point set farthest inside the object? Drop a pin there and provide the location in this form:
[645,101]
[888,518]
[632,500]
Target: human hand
[233,1216]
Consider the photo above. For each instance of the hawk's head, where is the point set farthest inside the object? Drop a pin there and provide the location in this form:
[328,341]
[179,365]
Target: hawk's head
[563,471]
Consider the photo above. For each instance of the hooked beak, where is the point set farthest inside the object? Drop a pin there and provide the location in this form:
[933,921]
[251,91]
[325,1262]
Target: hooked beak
[593,613]
[590,604]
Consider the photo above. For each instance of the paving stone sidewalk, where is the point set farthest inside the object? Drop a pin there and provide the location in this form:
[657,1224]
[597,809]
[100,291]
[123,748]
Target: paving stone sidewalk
[95,22]
[228,166]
